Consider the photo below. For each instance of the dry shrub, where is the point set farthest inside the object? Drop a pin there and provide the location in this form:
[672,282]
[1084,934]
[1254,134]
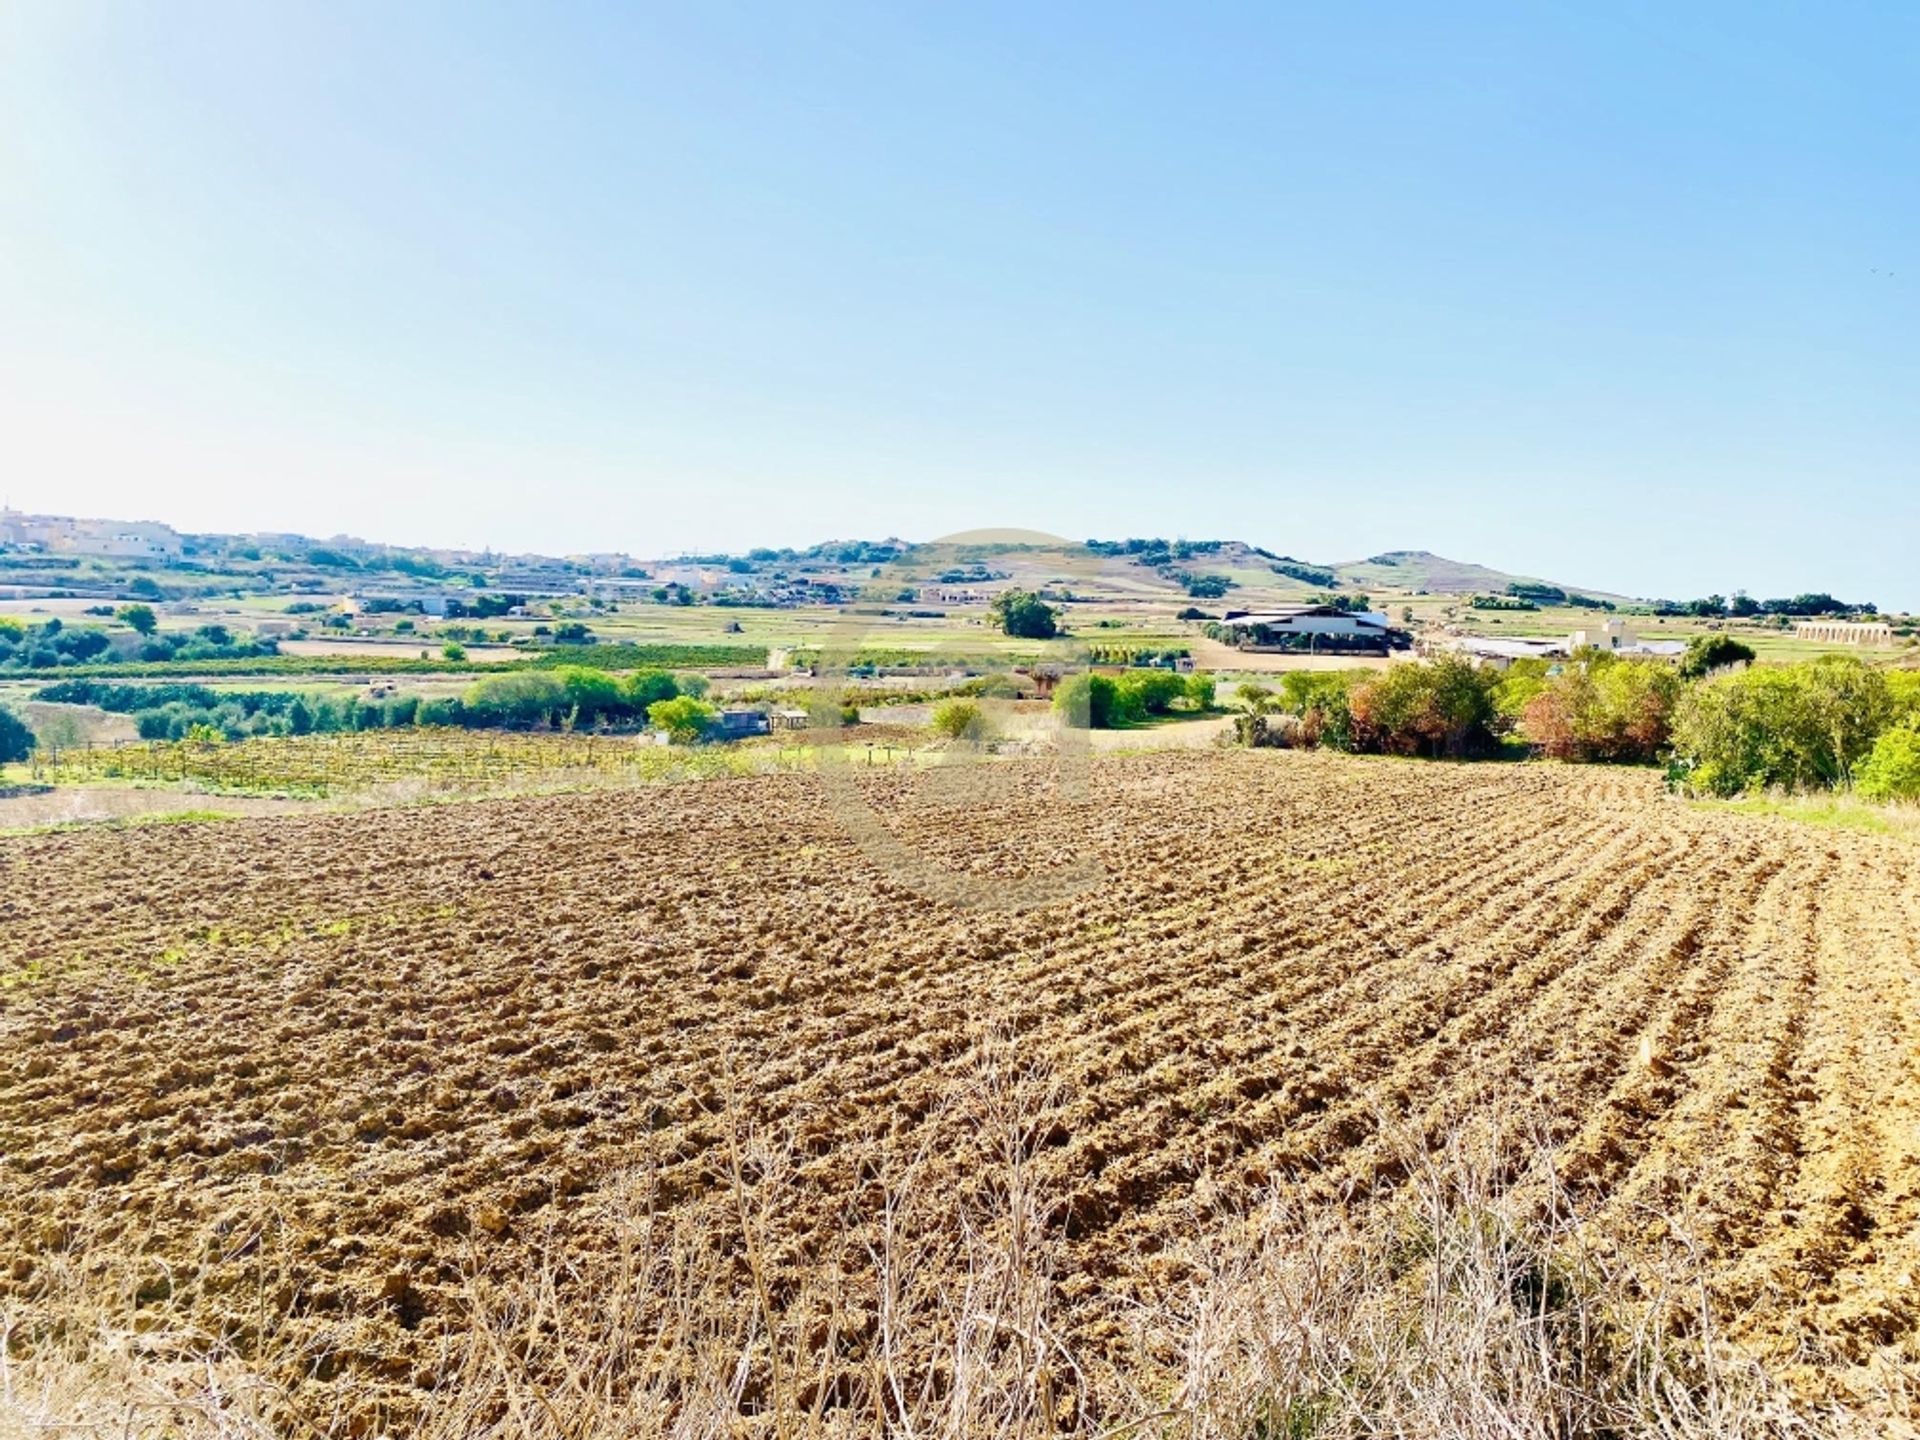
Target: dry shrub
[1465,1298]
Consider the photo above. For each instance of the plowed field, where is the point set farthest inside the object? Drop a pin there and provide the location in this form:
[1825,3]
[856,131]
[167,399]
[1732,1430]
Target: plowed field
[426,1040]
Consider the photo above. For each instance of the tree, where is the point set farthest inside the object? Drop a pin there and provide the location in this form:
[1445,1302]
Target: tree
[1149,692]
[1443,707]
[1708,653]
[16,740]
[593,695]
[644,687]
[1086,702]
[684,718]
[1023,614]
[140,617]
[517,701]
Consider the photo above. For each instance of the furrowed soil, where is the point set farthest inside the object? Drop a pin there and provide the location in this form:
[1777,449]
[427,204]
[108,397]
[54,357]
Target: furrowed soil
[341,1068]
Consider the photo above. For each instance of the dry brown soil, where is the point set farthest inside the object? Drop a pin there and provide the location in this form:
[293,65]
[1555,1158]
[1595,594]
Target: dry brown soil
[426,1037]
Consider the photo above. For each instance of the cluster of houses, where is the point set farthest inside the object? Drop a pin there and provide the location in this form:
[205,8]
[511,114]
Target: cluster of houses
[104,539]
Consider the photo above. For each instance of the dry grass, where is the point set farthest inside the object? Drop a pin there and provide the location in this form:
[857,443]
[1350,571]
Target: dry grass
[1464,1297]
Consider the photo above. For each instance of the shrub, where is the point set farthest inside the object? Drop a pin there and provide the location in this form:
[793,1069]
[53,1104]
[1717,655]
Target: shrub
[1442,707]
[593,696]
[439,712]
[1149,692]
[1086,702]
[644,687]
[1708,653]
[684,718]
[16,740]
[960,720]
[1605,709]
[518,701]
[1322,702]
[1791,726]
[1200,692]
[1892,770]
[453,650]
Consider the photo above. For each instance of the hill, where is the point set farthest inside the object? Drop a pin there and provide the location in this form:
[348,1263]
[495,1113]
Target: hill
[1417,570]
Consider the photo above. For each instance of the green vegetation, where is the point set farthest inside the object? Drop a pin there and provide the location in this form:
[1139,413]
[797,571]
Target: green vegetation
[1204,587]
[1598,708]
[1891,770]
[684,718]
[606,656]
[1024,615]
[437,760]
[1708,653]
[960,720]
[55,645]
[1792,727]
[1540,593]
[16,740]
[1831,723]
[1445,708]
[1314,575]
[1102,702]
[1086,702]
[139,618]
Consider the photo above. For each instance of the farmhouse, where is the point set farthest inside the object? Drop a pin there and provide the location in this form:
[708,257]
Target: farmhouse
[1309,627]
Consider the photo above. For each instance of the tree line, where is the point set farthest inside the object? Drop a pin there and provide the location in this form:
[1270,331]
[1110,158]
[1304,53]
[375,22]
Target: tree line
[1834,722]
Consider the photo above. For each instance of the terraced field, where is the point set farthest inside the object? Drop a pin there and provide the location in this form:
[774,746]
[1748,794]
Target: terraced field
[344,1072]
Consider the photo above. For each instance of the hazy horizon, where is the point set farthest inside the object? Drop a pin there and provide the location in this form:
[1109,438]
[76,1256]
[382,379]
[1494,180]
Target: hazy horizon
[1619,299]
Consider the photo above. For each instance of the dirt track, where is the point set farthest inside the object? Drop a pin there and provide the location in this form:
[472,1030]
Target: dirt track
[429,1034]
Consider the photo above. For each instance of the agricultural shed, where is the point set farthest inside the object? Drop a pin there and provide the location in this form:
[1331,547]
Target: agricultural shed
[739,724]
[1305,627]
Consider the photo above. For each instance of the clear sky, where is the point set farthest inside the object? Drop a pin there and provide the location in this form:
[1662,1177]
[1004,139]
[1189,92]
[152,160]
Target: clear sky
[1627,295]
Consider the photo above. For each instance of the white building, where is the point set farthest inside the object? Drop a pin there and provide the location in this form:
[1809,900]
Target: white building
[1306,627]
[1612,636]
[110,539]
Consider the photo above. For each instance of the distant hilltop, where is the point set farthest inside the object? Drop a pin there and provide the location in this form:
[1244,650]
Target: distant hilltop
[59,555]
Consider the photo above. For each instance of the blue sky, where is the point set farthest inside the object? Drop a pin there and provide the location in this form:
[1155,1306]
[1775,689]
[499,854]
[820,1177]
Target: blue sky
[1614,294]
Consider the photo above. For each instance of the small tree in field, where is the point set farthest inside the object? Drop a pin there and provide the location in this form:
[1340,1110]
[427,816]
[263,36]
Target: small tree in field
[16,740]
[1708,653]
[1023,614]
[139,617]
